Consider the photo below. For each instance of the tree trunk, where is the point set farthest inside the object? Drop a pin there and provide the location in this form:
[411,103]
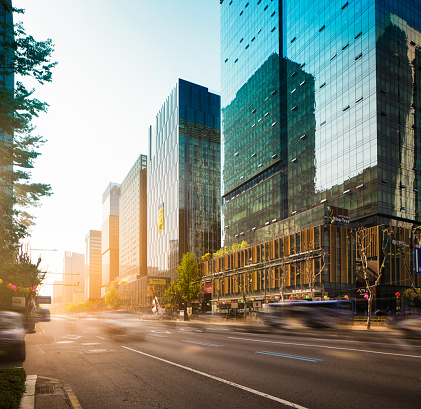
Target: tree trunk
[370,300]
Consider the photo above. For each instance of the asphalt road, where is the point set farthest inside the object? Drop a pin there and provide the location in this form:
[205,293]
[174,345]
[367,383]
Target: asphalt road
[213,366]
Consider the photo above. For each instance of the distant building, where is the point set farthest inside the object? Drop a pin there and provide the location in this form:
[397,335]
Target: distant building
[110,234]
[58,293]
[183,178]
[133,230]
[93,265]
[73,277]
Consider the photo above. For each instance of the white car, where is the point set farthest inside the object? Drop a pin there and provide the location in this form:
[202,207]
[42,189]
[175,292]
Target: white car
[410,327]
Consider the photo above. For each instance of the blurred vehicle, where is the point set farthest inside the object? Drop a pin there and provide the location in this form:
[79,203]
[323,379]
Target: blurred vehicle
[213,316]
[313,314]
[43,315]
[410,327]
[12,336]
[124,324]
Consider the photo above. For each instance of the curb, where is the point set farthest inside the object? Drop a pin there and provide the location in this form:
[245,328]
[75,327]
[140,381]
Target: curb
[28,397]
[74,403]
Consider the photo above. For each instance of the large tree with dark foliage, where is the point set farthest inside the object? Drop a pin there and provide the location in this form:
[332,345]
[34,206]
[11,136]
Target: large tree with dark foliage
[21,58]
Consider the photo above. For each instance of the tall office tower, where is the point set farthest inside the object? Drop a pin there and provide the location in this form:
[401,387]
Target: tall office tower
[73,277]
[320,106]
[184,178]
[110,233]
[133,230]
[93,265]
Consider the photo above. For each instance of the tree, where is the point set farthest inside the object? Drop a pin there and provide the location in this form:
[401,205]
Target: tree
[369,270]
[112,298]
[188,282]
[171,294]
[20,56]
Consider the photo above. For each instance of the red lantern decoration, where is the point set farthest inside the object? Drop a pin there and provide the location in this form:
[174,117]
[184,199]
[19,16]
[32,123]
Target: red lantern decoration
[398,294]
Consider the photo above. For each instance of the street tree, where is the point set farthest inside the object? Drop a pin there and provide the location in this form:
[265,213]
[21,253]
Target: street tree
[188,282]
[112,298]
[22,59]
[370,268]
[171,295]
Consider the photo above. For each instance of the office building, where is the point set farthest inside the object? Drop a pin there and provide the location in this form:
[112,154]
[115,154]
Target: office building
[73,277]
[110,234]
[320,123]
[183,178]
[93,265]
[133,230]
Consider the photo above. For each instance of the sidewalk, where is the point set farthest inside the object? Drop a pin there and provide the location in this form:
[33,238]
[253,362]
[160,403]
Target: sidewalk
[48,393]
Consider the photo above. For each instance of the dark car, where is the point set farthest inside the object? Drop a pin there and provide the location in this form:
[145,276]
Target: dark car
[12,336]
[43,315]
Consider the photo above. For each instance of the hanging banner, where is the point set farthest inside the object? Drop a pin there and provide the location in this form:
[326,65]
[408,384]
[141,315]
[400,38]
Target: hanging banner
[208,288]
[161,218]
[417,260]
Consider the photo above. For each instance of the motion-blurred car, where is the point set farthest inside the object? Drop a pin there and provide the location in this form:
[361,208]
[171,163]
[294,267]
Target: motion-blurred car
[43,315]
[124,324]
[12,336]
[410,327]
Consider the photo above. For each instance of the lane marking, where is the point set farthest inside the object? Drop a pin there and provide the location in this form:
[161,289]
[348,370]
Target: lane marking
[160,336]
[301,358]
[326,347]
[74,337]
[64,342]
[236,385]
[202,343]
[99,337]
[91,343]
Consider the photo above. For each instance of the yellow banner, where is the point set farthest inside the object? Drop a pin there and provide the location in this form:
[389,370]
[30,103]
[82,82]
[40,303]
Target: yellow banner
[161,218]
[161,281]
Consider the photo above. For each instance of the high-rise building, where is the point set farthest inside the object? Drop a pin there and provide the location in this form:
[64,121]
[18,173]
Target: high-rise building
[73,277]
[318,109]
[184,178]
[110,234]
[320,118]
[93,265]
[133,230]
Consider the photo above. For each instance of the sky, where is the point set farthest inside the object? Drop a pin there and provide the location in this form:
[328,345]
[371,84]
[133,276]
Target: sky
[117,63]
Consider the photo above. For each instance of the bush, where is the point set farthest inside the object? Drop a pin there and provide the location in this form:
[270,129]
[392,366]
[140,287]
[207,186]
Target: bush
[12,386]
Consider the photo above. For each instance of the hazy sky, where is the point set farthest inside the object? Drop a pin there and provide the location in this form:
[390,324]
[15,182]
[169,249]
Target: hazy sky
[117,63]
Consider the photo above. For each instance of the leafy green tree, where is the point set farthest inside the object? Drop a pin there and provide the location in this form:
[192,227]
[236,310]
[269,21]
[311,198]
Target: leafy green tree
[171,295]
[112,298]
[188,282]
[20,56]
[412,296]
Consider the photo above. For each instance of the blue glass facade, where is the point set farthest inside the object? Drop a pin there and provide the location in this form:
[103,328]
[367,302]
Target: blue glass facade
[184,178]
[320,105]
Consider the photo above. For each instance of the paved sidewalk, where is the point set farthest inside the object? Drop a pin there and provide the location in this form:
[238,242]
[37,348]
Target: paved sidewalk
[48,393]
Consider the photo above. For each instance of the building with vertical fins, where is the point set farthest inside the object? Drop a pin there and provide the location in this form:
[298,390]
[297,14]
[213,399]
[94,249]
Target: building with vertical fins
[110,235]
[132,230]
[320,135]
[93,265]
[183,178]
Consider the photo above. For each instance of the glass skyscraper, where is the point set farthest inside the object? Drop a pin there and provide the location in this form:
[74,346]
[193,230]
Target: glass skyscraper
[320,105]
[183,178]
[110,234]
